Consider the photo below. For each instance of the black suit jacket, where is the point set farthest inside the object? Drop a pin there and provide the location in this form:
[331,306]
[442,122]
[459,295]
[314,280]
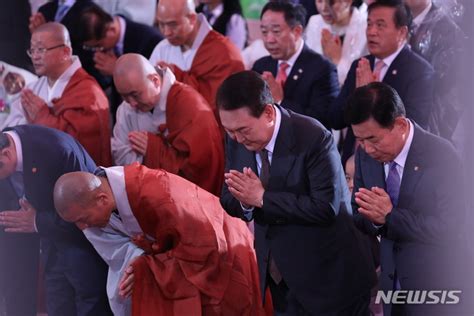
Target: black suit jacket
[140,38]
[48,154]
[409,74]
[424,237]
[311,86]
[306,220]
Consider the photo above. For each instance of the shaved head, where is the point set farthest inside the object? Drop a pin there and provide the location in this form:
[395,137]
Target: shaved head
[75,188]
[56,31]
[176,7]
[178,22]
[137,81]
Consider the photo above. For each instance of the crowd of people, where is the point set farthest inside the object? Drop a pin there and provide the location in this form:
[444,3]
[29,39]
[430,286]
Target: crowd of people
[153,161]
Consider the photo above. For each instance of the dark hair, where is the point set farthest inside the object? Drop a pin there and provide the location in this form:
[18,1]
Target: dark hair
[230,7]
[93,24]
[4,141]
[244,89]
[377,100]
[402,16]
[295,14]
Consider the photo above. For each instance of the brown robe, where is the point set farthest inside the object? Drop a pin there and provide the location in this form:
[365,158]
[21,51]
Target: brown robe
[83,112]
[193,147]
[205,263]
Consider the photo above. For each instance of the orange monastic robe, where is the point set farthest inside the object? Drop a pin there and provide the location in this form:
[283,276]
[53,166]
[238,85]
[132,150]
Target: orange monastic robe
[193,146]
[82,112]
[205,264]
[215,60]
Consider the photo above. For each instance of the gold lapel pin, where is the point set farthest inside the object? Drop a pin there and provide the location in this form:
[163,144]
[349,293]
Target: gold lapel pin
[34,170]
[416,168]
[295,77]
[300,71]
[394,72]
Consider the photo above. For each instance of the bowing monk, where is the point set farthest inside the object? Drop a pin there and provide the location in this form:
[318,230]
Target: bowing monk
[168,243]
[165,124]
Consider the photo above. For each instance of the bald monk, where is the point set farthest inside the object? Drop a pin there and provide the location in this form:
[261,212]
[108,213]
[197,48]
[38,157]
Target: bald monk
[165,124]
[197,55]
[168,243]
[65,97]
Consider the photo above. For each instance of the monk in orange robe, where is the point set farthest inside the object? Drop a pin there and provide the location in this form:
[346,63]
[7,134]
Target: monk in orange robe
[197,55]
[166,124]
[185,255]
[65,97]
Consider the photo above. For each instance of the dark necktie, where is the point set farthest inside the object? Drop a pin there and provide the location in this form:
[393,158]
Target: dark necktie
[264,177]
[16,180]
[393,183]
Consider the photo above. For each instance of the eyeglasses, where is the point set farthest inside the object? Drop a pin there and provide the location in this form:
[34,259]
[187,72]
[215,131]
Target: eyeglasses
[93,48]
[41,51]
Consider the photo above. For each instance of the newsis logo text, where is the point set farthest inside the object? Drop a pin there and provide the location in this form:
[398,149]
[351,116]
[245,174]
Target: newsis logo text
[418,297]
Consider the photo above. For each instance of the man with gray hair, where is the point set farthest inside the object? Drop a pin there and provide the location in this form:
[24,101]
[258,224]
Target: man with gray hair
[65,97]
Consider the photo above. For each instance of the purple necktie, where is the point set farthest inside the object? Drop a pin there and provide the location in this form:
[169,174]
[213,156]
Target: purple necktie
[393,183]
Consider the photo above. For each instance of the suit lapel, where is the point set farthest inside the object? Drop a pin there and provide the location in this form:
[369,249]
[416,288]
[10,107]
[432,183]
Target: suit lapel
[374,170]
[283,159]
[391,77]
[414,168]
[296,73]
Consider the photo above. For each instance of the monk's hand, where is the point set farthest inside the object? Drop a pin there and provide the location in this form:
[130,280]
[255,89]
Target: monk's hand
[163,65]
[374,204]
[245,186]
[126,282]
[276,87]
[36,20]
[31,104]
[141,241]
[139,141]
[364,74]
[331,45]
[105,62]
[20,221]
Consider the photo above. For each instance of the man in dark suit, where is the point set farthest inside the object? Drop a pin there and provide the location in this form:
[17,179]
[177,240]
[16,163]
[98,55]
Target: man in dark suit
[408,189]
[390,61]
[299,78]
[437,38]
[309,253]
[32,158]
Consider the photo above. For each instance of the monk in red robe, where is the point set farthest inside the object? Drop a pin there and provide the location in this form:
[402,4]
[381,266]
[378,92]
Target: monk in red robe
[197,55]
[166,124]
[192,258]
[65,97]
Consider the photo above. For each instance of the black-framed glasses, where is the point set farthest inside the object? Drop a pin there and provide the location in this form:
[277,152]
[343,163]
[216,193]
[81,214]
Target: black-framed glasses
[41,51]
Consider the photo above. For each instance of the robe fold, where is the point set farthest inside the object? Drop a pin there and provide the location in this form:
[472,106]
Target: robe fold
[192,147]
[205,264]
[215,60]
[83,112]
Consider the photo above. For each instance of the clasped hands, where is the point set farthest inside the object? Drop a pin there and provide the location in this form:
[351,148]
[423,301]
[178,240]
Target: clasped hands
[374,204]
[364,74]
[31,104]
[245,186]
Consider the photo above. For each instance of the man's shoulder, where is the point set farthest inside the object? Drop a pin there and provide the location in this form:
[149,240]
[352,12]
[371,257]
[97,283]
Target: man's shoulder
[310,58]
[264,63]
[219,46]
[301,126]
[183,100]
[412,61]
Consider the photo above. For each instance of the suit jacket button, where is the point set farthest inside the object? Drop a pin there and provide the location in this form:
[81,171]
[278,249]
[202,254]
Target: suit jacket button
[391,276]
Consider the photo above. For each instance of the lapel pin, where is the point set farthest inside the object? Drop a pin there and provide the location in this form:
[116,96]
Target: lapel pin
[34,170]
[295,77]
[300,71]
[394,72]
[416,168]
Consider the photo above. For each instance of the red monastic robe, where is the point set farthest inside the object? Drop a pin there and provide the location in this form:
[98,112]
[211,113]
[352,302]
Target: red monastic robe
[205,264]
[215,60]
[193,147]
[82,112]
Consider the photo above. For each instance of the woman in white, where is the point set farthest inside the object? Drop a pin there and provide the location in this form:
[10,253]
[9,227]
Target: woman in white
[338,32]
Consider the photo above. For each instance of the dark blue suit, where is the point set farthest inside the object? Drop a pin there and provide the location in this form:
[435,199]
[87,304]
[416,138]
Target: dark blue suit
[409,74]
[75,274]
[320,255]
[424,238]
[311,86]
